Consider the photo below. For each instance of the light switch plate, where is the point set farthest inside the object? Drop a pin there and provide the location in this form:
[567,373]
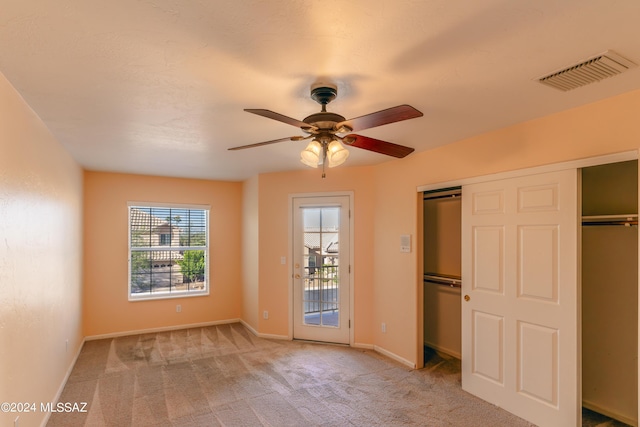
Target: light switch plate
[405,243]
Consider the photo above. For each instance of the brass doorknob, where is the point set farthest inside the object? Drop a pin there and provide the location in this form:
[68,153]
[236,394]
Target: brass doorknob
[467,297]
[297,276]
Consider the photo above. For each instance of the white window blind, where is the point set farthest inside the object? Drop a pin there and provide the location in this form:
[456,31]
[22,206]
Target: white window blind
[168,251]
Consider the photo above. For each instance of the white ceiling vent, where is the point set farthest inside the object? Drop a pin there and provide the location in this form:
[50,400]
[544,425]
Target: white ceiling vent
[592,70]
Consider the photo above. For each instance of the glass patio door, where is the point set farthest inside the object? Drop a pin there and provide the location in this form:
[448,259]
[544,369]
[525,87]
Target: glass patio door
[321,268]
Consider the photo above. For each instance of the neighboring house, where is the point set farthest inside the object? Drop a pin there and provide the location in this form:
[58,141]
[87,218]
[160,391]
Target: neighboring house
[148,230]
[320,248]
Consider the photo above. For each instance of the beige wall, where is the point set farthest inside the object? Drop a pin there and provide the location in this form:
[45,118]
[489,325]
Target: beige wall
[40,259]
[388,283]
[610,293]
[107,309]
[443,319]
[274,234]
[443,236]
[604,127]
[250,254]
[443,255]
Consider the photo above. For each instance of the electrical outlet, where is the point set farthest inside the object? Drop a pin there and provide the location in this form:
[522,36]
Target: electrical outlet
[384,328]
[265,314]
[178,308]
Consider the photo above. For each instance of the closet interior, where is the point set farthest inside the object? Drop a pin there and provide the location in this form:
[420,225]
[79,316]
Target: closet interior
[442,239]
[610,290]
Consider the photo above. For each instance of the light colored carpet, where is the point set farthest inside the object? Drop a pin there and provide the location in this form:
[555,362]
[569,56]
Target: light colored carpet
[224,375]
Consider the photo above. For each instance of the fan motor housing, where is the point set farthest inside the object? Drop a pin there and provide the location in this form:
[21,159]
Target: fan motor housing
[324,120]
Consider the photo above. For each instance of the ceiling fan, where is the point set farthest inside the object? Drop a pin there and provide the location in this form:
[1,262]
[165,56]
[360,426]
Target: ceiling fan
[324,129]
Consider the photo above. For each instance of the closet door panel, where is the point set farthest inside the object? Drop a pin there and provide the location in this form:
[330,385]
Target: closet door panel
[519,282]
[538,270]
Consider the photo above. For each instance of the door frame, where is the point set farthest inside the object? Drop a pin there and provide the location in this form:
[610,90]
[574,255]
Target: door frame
[351,281]
[573,164]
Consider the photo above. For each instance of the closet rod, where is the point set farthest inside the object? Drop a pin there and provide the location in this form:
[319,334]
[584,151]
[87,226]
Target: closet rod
[442,193]
[625,223]
[626,220]
[452,282]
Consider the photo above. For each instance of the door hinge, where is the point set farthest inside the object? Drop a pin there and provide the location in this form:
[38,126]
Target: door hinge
[349,323]
[349,268]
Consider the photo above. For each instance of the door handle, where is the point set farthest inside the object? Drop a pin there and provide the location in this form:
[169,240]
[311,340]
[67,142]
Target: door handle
[467,297]
[297,276]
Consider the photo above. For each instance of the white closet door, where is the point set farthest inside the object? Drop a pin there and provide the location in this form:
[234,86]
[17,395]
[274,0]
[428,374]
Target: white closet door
[519,306]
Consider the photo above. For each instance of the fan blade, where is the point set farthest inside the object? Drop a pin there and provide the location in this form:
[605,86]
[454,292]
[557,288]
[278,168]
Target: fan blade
[281,118]
[377,145]
[383,117]
[259,144]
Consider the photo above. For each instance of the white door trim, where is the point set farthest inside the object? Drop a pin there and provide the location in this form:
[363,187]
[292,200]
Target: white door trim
[554,167]
[293,196]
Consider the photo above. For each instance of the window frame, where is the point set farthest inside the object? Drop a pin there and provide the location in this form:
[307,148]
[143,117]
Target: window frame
[172,294]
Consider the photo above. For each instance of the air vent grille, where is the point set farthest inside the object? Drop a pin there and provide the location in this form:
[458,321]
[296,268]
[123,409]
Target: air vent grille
[592,70]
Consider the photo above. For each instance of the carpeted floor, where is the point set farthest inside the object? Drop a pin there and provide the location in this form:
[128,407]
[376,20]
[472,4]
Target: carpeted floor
[224,375]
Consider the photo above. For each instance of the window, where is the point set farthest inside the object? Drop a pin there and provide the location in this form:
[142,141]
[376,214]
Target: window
[168,251]
[165,239]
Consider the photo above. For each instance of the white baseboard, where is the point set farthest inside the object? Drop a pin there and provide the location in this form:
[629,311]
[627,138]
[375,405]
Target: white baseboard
[362,345]
[268,336]
[249,327]
[394,357]
[274,337]
[375,348]
[64,381]
[160,329]
[596,408]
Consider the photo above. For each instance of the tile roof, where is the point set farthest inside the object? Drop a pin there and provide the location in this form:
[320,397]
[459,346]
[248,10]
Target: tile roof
[329,241]
[141,219]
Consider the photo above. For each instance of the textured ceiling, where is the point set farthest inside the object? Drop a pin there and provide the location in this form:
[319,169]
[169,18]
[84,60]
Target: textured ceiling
[158,87]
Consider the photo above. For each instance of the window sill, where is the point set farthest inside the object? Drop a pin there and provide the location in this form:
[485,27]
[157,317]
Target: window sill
[167,295]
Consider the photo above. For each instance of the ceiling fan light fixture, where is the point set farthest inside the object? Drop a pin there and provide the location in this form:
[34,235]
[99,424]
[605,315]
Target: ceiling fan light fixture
[336,153]
[311,155]
[307,163]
